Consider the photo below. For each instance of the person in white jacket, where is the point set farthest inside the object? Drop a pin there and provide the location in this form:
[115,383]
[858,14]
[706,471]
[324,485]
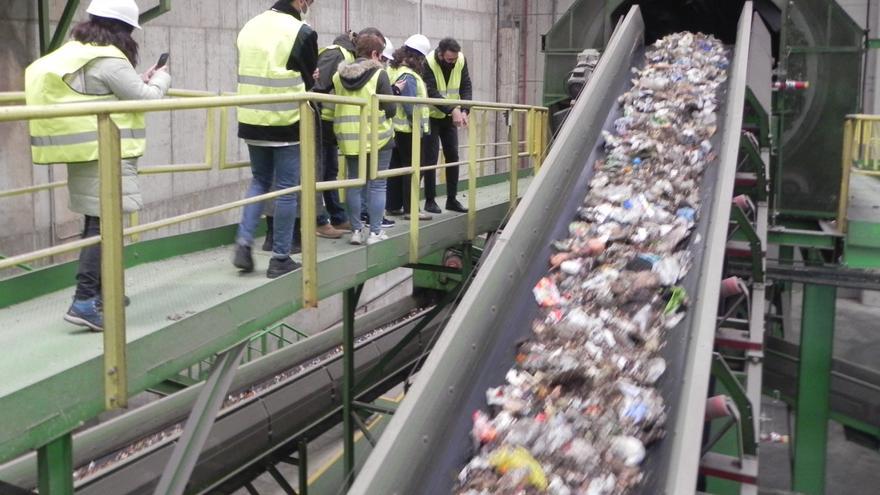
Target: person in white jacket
[97,64]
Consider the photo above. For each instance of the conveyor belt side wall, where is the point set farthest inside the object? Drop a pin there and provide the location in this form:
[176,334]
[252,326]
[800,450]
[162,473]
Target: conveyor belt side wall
[690,408]
[425,443]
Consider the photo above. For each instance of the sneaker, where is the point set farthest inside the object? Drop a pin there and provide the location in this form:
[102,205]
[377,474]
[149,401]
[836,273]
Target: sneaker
[243,259]
[422,216]
[281,266]
[377,237]
[86,313]
[344,226]
[387,222]
[365,218]
[357,237]
[431,206]
[454,205]
[395,213]
[328,231]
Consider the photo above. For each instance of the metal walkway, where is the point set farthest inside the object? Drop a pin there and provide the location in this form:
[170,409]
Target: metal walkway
[183,309]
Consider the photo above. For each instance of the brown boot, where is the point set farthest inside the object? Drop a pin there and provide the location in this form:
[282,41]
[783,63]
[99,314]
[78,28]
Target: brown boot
[344,226]
[327,231]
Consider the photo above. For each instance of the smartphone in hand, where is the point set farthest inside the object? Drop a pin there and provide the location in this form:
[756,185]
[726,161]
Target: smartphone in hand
[163,60]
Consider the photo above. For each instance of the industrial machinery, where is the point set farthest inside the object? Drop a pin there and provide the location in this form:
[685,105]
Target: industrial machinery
[779,156]
[778,210]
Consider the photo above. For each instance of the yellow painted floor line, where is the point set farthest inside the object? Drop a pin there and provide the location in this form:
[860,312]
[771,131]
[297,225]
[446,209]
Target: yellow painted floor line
[357,438]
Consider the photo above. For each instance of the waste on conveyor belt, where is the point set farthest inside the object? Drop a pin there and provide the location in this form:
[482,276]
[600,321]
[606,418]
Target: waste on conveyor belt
[579,410]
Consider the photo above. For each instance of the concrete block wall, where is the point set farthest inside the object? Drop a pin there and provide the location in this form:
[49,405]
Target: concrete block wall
[200,35]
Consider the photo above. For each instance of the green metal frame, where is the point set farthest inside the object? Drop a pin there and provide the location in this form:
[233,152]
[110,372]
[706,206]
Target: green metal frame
[154,12]
[55,466]
[757,250]
[201,419]
[814,386]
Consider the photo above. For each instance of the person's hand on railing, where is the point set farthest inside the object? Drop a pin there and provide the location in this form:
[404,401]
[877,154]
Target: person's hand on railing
[465,119]
[457,117]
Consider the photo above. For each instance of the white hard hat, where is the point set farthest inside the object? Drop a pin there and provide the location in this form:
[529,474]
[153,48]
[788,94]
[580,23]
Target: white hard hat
[121,10]
[419,43]
[388,52]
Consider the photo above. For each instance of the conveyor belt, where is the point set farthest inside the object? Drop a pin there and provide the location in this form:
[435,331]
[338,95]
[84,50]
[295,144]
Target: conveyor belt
[427,442]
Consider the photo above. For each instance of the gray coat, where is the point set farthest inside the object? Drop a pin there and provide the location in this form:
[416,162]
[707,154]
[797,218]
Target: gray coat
[106,76]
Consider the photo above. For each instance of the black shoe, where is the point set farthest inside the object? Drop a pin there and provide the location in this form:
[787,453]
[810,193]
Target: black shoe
[279,267]
[396,213]
[454,205]
[296,245]
[387,222]
[243,259]
[431,206]
[269,242]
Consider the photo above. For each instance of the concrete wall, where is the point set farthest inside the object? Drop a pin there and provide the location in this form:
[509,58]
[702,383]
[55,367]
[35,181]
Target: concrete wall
[200,35]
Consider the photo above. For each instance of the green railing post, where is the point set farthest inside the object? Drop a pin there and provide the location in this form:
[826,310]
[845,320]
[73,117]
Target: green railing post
[55,467]
[814,385]
[307,138]
[472,183]
[415,184]
[112,267]
[514,158]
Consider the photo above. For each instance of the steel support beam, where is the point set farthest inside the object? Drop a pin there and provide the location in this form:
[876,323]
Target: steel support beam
[199,423]
[303,467]
[55,467]
[349,306]
[814,387]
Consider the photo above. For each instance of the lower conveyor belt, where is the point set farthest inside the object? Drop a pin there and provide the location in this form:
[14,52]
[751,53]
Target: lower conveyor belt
[428,442]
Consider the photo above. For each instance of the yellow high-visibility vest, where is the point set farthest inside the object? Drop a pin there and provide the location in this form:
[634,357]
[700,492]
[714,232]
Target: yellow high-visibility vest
[327,109]
[449,89]
[402,123]
[347,118]
[264,46]
[74,139]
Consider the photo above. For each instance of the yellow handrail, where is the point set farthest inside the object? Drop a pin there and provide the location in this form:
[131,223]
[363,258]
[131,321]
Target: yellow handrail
[113,233]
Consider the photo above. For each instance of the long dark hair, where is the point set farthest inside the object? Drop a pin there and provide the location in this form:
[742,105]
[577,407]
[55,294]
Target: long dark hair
[410,58]
[104,31]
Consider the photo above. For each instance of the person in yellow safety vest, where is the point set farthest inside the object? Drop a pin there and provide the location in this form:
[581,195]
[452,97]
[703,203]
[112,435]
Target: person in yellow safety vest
[329,58]
[361,79]
[406,67]
[447,77]
[277,54]
[97,65]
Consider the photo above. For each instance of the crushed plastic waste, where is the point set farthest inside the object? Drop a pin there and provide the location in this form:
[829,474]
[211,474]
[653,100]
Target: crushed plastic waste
[580,409]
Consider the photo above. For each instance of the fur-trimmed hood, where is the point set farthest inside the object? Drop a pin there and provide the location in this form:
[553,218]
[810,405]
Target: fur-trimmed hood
[354,75]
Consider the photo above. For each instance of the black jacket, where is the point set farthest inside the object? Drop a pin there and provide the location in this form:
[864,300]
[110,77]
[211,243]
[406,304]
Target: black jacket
[303,59]
[467,92]
[328,62]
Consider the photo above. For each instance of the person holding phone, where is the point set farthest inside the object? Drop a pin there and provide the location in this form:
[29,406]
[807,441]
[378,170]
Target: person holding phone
[98,64]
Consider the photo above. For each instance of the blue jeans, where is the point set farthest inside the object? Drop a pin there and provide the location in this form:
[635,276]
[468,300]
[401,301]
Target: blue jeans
[282,164]
[375,193]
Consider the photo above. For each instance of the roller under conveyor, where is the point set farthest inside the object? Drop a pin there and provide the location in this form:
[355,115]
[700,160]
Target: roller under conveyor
[428,441]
